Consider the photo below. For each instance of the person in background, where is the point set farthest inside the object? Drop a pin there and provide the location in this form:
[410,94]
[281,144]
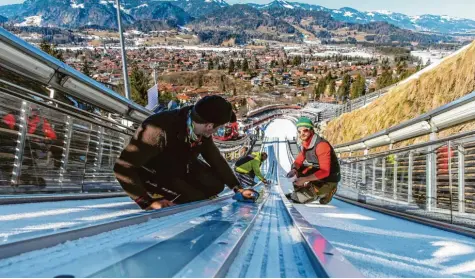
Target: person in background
[249,167]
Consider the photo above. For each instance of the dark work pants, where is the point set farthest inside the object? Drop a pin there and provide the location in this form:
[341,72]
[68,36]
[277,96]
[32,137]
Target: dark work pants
[199,183]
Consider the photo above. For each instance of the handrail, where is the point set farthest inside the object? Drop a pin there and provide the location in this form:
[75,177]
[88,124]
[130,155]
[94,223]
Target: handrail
[81,114]
[59,67]
[427,118]
[412,147]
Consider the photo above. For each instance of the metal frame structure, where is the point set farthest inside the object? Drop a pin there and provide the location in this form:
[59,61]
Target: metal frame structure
[63,77]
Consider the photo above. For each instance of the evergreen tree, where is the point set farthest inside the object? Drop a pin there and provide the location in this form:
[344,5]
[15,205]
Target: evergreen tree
[321,86]
[51,50]
[297,60]
[358,87]
[245,65]
[231,66]
[85,68]
[344,89]
[210,64]
[375,72]
[386,78]
[139,83]
[332,88]
[166,97]
[238,64]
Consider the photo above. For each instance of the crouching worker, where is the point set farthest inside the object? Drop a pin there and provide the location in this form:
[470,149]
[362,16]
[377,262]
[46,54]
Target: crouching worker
[316,167]
[248,167]
[160,165]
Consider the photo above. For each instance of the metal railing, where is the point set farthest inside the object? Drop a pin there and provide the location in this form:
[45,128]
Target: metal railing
[49,146]
[25,59]
[362,101]
[433,180]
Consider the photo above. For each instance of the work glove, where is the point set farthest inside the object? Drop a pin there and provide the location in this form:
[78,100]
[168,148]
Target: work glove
[240,196]
[291,173]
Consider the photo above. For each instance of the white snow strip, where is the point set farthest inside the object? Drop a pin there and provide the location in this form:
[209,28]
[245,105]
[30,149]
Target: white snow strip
[49,226]
[109,215]
[318,205]
[461,268]
[451,248]
[11,217]
[106,205]
[350,216]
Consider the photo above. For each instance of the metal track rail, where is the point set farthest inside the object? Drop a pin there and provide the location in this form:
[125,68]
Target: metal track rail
[326,259]
[28,245]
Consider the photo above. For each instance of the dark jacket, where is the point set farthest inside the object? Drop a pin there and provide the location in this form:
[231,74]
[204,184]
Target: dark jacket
[160,146]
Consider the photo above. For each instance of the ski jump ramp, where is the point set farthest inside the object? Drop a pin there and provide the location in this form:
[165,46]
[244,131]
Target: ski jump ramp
[217,238]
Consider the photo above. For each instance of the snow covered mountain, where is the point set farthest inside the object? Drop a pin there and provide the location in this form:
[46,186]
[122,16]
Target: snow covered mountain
[432,23]
[74,13]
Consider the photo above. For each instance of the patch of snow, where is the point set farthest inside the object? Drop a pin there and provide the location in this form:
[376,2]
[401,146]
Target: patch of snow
[77,6]
[336,11]
[414,18]
[359,18]
[208,1]
[450,18]
[31,21]
[74,5]
[348,14]
[370,14]
[384,12]
[143,5]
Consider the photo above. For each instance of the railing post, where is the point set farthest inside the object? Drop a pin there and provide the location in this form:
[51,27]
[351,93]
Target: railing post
[461,175]
[18,162]
[395,177]
[373,187]
[363,168]
[383,176]
[67,143]
[449,161]
[99,150]
[431,175]
[85,157]
[409,176]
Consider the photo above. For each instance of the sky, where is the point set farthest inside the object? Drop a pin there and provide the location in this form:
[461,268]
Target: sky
[457,8]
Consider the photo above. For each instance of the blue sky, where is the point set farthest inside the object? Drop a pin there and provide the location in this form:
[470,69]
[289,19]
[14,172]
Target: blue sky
[458,8]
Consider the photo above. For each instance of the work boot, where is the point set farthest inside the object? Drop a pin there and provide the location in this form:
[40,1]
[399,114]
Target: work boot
[328,197]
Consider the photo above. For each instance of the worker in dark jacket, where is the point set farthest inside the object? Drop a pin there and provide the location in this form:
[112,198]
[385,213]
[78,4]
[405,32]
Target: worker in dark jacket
[160,165]
[316,167]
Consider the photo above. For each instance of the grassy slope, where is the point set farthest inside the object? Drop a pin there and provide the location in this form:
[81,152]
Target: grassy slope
[451,80]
